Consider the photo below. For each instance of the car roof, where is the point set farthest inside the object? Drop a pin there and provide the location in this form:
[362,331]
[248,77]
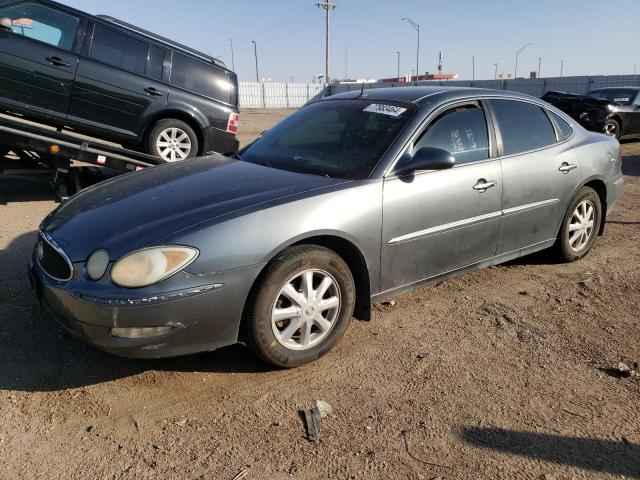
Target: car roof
[417,95]
[604,89]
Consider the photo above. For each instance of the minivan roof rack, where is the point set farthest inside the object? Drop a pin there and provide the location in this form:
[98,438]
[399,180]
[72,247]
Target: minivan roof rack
[162,39]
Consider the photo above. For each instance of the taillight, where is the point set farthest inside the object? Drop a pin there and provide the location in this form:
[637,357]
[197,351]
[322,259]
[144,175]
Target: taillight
[232,125]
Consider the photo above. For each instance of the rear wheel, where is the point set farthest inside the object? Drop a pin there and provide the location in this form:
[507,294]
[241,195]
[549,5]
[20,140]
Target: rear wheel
[301,307]
[611,128]
[580,225]
[172,140]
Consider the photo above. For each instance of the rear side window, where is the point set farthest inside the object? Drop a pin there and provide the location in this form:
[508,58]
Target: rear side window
[155,61]
[42,23]
[198,77]
[119,50]
[524,126]
[565,128]
[461,131]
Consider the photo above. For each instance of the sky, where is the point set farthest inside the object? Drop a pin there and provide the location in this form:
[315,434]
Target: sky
[592,37]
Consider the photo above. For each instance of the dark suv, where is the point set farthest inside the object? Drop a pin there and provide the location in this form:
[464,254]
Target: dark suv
[103,77]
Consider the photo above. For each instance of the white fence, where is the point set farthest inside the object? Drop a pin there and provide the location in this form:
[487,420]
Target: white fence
[277,95]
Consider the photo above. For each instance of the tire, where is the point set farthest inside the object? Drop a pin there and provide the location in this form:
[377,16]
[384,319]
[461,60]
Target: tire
[269,339]
[612,128]
[567,247]
[165,132]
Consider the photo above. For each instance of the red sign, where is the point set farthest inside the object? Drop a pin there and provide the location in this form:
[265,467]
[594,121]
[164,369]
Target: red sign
[22,22]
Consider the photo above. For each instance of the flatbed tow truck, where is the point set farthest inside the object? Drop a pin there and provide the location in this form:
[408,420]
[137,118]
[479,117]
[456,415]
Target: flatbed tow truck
[27,148]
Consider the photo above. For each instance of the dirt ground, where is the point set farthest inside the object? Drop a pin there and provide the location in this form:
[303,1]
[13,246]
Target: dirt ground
[505,373]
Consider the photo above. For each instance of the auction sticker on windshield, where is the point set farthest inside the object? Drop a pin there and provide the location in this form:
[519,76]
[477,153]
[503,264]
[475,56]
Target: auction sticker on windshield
[391,110]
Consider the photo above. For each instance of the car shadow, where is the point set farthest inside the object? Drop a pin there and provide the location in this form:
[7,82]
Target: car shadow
[37,355]
[631,165]
[605,456]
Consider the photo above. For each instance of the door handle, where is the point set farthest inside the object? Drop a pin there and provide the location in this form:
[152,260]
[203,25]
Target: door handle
[483,185]
[58,62]
[153,92]
[567,167]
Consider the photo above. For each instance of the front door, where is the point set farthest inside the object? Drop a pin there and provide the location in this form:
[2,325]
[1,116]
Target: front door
[118,86]
[540,174]
[37,61]
[435,222]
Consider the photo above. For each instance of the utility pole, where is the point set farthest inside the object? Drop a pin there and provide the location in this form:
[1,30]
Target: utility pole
[515,71]
[473,68]
[346,62]
[233,63]
[495,73]
[255,52]
[327,8]
[634,68]
[417,29]
[398,54]
[539,63]
[561,66]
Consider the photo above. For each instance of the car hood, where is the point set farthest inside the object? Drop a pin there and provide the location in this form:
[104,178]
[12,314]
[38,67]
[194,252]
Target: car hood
[141,208]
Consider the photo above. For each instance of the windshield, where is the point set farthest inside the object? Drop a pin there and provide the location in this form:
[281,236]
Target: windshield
[336,138]
[621,97]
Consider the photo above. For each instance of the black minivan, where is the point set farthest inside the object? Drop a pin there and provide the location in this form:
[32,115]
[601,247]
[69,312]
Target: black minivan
[106,78]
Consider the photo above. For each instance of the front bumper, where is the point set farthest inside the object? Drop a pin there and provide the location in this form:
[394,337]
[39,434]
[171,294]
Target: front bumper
[202,318]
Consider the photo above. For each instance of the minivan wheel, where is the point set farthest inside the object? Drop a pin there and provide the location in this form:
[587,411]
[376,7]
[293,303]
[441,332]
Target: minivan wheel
[172,140]
[301,307]
[580,225]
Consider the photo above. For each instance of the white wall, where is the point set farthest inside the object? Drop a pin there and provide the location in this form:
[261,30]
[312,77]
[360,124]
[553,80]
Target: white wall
[277,95]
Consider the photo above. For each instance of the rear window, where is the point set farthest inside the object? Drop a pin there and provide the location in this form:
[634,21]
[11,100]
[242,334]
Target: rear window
[621,97]
[119,50]
[200,78]
[524,126]
[563,125]
[155,62]
[336,138]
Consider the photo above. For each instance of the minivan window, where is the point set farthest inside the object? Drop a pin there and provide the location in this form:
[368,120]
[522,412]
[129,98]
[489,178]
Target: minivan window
[42,23]
[563,125]
[524,126]
[198,77]
[119,50]
[462,131]
[155,61]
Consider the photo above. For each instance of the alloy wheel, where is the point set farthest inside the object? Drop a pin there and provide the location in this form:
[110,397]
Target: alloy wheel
[173,144]
[581,225]
[611,129]
[306,309]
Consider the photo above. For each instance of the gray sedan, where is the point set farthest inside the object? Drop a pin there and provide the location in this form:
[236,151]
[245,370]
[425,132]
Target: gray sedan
[352,199]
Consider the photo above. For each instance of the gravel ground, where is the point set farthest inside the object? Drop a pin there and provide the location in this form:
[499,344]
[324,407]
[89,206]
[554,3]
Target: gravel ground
[504,373]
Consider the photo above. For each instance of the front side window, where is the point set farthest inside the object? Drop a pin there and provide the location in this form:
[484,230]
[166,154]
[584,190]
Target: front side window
[119,50]
[461,131]
[524,126]
[42,23]
[335,138]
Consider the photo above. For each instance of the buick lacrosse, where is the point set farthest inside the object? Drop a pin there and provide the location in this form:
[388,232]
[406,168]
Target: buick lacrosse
[352,199]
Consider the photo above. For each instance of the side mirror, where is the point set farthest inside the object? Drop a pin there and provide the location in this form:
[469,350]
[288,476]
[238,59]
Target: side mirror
[5,24]
[427,158]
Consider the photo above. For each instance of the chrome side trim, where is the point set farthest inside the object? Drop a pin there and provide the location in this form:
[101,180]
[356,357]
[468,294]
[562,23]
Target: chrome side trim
[444,228]
[470,221]
[530,206]
[52,243]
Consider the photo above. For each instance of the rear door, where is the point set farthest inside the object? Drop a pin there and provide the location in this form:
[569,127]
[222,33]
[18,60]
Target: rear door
[440,221]
[119,85]
[38,60]
[540,172]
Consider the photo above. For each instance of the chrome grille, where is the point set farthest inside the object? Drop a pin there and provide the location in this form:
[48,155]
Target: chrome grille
[52,259]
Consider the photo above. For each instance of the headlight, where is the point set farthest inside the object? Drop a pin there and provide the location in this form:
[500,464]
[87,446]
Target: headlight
[151,265]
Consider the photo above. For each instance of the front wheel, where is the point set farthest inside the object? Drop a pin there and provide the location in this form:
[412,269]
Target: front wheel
[172,140]
[580,225]
[301,308]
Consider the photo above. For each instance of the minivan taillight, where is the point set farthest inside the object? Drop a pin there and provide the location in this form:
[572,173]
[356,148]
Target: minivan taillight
[232,125]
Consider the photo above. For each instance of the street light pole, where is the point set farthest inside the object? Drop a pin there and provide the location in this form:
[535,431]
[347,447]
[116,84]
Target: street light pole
[398,53]
[473,68]
[561,66]
[495,73]
[255,52]
[539,63]
[515,72]
[417,29]
[233,63]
